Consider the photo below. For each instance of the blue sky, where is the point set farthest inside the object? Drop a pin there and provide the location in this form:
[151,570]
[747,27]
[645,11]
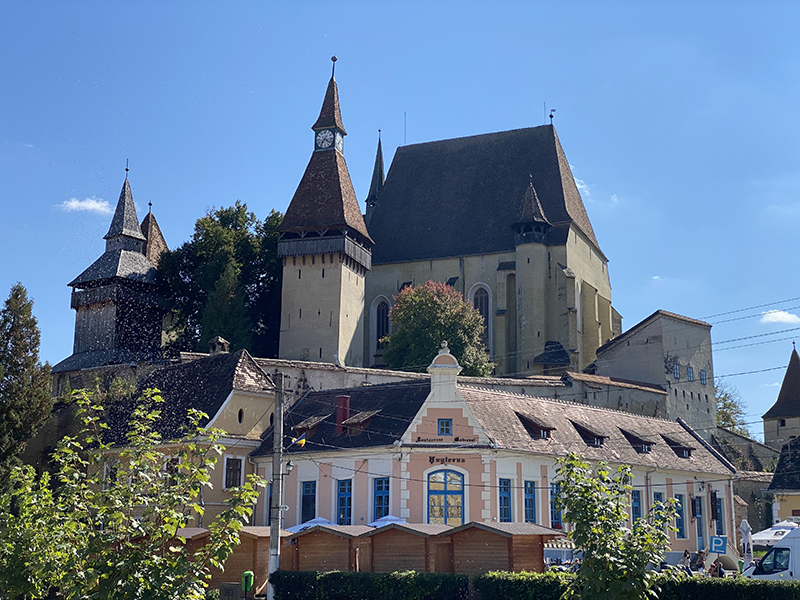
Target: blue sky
[679,120]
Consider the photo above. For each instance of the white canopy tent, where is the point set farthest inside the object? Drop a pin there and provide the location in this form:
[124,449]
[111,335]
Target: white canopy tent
[769,537]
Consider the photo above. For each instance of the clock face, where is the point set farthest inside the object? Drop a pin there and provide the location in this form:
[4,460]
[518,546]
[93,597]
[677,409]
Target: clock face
[324,138]
[339,142]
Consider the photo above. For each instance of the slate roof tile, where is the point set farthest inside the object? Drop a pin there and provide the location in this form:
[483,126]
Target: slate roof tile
[787,471]
[325,198]
[461,196]
[119,263]
[202,384]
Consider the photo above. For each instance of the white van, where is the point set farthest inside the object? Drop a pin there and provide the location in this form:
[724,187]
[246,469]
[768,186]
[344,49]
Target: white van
[782,562]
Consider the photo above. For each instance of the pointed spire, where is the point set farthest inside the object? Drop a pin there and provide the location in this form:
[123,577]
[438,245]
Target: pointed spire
[532,210]
[788,402]
[378,176]
[125,222]
[330,115]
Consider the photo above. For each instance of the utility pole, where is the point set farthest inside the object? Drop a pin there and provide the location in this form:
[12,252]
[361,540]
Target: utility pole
[276,504]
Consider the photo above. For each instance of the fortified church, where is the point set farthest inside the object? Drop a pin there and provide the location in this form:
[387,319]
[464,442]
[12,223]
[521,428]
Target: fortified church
[496,216]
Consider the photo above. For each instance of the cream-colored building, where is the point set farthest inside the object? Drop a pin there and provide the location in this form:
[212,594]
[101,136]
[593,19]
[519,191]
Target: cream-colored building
[447,452]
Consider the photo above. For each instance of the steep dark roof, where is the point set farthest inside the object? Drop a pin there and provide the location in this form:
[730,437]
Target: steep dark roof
[330,115]
[788,402]
[461,196]
[125,221]
[325,198]
[497,413]
[125,264]
[787,472]
[202,384]
[398,403]
[155,244]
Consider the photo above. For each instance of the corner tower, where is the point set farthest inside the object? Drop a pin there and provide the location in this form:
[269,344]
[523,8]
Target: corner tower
[119,308]
[326,252]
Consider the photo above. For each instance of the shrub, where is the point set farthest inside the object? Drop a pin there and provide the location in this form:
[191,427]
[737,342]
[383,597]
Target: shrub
[550,586]
[335,585]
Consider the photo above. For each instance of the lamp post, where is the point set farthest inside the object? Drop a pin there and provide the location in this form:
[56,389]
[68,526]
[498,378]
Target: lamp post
[277,486]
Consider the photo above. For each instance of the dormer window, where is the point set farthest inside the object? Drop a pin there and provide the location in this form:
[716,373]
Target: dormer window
[591,434]
[640,441]
[680,444]
[536,427]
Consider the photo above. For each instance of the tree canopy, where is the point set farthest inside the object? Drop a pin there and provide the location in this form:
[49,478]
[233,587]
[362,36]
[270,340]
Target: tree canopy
[616,558]
[25,401]
[731,409]
[104,525]
[425,316]
[226,281]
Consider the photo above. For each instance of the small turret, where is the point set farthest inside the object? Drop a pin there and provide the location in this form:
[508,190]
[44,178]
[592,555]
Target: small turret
[532,224]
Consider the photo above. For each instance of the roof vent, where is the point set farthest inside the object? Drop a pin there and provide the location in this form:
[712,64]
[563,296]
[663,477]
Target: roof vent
[219,345]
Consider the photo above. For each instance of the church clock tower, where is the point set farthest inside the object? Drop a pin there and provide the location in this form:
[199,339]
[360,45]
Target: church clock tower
[326,252]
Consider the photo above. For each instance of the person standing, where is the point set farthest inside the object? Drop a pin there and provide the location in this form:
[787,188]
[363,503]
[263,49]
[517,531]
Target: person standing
[700,563]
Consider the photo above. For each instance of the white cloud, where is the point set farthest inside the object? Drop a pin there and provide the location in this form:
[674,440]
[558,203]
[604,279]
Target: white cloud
[776,384]
[779,316]
[584,188]
[93,205]
[27,145]
[614,198]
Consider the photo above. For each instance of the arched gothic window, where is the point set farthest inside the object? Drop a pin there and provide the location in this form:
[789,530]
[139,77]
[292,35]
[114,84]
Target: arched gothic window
[382,322]
[481,303]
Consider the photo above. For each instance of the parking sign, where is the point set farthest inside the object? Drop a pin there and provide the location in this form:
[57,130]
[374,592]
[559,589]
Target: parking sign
[718,544]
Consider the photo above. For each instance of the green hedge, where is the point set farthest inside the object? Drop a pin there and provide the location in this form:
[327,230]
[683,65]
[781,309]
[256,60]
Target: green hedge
[549,586]
[409,585]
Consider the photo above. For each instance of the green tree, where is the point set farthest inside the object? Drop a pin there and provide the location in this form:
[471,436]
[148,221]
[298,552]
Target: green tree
[104,524]
[596,501]
[25,401]
[731,409]
[225,313]
[425,316]
[192,272]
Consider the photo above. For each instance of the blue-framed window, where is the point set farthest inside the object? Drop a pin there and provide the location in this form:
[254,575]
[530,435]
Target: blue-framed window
[703,377]
[445,426]
[698,516]
[505,500]
[676,371]
[680,524]
[446,498]
[345,502]
[720,519]
[555,515]
[636,505]
[381,502]
[309,501]
[530,502]
[690,373]
[658,497]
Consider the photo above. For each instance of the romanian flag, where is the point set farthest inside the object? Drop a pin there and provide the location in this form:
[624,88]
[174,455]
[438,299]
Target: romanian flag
[300,441]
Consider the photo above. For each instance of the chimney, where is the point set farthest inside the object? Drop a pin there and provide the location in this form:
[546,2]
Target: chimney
[342,412]
[219,345]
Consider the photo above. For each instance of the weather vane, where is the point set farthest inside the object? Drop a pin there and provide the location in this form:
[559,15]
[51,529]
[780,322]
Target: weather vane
[552,114]
[333,68]
[126,168]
